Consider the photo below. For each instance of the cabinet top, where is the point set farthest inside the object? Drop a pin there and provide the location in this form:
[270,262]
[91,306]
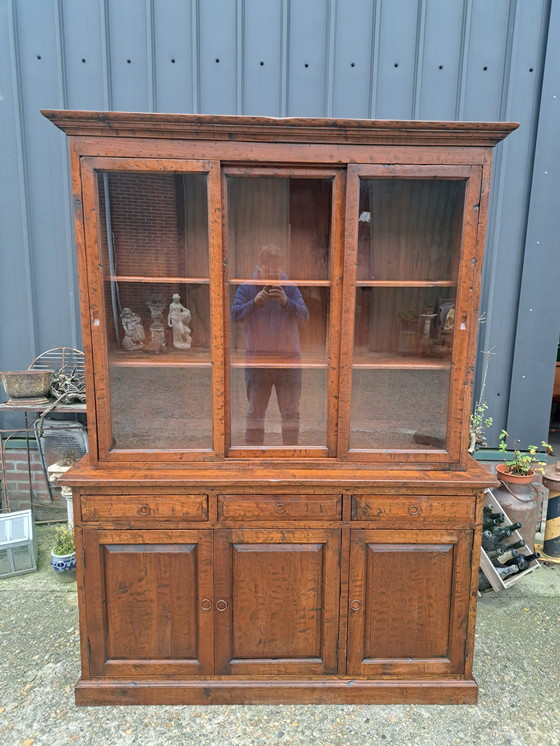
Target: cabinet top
[291,130]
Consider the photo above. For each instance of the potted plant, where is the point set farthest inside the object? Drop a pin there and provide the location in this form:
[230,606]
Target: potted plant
[522,466]
[63,554]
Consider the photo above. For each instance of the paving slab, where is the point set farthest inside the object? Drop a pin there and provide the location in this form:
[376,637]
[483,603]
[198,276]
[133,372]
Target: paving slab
[517,667]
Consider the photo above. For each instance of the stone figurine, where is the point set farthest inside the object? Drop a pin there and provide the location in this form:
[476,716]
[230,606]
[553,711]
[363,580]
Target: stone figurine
[179,320]
[134,334]
[157,331]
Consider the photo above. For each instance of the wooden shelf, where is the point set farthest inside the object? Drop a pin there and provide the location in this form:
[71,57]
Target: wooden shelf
[159,280]
[386,360]
[406,284]
[240,360]
[299,283]
[167,358]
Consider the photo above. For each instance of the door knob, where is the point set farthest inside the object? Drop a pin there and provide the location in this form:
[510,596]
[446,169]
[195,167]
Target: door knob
[221,605]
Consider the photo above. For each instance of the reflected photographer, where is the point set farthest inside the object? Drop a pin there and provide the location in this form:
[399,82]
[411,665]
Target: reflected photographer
[271,314]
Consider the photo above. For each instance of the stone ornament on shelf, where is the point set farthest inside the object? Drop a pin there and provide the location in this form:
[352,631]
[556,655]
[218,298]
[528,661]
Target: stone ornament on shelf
[157,330]
[179,319]
[134,334]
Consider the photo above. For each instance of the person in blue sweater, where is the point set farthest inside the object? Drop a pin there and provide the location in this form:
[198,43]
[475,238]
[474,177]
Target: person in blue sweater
[271,314]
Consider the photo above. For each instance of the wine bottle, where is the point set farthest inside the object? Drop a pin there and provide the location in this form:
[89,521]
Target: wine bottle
[489,513]
[489,524]
[504,572]
[502,533]
[497,552]
[521,561]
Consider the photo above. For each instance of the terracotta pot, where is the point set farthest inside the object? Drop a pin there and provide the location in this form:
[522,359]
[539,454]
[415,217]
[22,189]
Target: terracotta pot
[504,476]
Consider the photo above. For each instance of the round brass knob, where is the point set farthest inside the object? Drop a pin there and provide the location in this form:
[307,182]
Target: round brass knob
[280,508]
[221,605]
[206,604]
[355,605]
[144,510]
[413,510]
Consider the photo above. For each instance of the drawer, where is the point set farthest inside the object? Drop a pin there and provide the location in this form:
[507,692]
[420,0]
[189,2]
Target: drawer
[154,507]
[385,508]
[280,507]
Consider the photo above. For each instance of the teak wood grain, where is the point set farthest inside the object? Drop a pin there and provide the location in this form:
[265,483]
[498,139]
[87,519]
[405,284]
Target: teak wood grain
[225,573]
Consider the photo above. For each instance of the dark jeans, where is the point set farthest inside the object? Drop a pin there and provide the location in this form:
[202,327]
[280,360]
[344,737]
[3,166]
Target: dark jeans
[287,382]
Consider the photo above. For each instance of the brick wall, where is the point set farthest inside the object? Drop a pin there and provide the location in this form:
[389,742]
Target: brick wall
[17,480]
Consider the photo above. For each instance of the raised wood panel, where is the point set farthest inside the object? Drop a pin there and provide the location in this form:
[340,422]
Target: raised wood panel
[408,603]
[145,607]
[142,507]
[279,507]
[280,590]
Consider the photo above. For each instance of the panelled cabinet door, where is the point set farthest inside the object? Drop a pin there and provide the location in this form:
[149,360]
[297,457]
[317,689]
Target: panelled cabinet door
[148,603]
[408,602]
[277,596]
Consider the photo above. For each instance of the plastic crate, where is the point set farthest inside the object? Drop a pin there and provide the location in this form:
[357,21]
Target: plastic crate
[18,544]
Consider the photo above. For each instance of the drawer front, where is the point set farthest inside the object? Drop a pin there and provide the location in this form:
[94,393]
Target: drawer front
[151,507]
[280,507]
[386,509]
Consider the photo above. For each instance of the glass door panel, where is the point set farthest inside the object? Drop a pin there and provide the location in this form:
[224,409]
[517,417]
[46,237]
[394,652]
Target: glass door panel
[409,234]
[154,247]
[278,249]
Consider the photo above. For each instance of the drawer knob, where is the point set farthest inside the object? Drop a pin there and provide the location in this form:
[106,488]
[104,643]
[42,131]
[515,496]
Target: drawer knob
[355,605]
[221,605]
[206,604]
[280,508]
[413,509]
[144,510]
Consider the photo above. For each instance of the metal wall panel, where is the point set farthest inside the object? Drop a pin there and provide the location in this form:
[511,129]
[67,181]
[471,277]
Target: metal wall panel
[175,45]
[218,56]
[308,68]
[352,63]
[538,317]
[84,55]
[263,76]
[428,59]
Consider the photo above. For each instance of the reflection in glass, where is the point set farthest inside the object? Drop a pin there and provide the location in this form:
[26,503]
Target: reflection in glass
[271,313]
[278,273]
[399,409]
[154,253]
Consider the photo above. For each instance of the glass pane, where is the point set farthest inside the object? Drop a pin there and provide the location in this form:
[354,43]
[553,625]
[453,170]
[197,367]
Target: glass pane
[409,240]
[161,406]
[154,225]
[278,406]
[394,324]
[399,409]
[279,296]
[22,558]
[154,237]
[409,229]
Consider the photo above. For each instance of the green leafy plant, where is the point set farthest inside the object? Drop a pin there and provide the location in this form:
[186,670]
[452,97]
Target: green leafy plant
[479,422]
[523,462]
[63,540]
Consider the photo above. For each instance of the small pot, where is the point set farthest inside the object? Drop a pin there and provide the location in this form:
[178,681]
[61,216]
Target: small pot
[64,566]
[505,476]
[27,386]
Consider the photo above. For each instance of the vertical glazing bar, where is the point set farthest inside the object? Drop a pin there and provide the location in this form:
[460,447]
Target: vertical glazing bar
[348,308]
[217,305]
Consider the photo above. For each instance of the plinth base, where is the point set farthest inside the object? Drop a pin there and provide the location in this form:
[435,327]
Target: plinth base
[329,691]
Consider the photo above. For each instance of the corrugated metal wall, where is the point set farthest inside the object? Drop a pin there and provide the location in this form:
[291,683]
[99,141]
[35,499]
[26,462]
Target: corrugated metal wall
[409,59]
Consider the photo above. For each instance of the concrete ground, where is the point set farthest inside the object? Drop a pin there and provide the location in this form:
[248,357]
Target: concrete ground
[517,666]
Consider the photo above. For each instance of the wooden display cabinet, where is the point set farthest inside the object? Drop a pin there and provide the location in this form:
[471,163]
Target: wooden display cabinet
[278,504]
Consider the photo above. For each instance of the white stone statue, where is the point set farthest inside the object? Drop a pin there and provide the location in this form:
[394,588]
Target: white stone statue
[179,320]
[134,334]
